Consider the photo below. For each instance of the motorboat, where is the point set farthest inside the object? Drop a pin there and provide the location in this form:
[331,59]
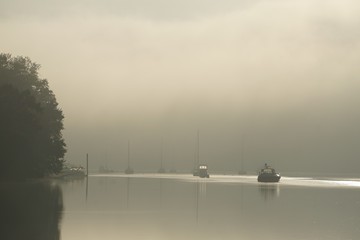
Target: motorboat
[268,174]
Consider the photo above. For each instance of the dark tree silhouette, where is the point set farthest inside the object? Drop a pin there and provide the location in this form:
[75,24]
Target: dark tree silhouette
[31,143]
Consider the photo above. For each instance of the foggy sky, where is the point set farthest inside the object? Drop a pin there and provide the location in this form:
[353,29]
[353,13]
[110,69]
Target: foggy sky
[279,78]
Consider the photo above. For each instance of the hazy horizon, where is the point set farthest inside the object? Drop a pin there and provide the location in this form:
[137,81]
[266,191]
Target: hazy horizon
[279,78]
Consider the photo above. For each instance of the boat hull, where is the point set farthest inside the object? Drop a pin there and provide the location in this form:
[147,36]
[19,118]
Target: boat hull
[268,178]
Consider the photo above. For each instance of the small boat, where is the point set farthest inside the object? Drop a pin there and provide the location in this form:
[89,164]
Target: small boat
[72,172]
[268,174]
[202,171]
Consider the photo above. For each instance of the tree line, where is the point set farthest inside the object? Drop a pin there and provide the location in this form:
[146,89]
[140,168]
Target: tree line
[31,122]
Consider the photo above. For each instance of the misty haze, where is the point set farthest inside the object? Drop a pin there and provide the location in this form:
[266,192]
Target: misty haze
[179,119]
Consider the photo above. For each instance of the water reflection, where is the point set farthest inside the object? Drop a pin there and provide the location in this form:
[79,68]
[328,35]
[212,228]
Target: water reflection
[123,207]
[269,190]
[87,188]
[160,193]
[127,192]
[200,196]
[30,211]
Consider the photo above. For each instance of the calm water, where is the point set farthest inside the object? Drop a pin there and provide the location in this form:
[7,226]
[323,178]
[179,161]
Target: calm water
[181,207]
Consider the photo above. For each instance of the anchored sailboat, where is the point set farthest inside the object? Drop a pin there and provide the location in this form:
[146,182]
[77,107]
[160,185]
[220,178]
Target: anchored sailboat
[129,170]
[242,171]
[161,169]
[200,169]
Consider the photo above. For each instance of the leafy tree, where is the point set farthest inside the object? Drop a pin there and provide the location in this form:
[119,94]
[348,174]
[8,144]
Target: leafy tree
[31,121]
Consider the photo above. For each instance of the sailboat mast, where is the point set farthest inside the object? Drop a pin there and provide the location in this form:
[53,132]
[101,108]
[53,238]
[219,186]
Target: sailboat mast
[242,150]
[161,157]
[128,153]
[198,148]
[242,154]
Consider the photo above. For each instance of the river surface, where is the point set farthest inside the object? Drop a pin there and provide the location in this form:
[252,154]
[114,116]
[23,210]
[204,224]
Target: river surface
[164,206]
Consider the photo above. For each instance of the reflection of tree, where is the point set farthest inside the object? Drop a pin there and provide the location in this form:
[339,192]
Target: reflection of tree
[269,190]
[127,192]
[30,211]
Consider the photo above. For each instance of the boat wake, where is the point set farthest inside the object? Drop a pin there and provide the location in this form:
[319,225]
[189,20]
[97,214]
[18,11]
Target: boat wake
[246,179]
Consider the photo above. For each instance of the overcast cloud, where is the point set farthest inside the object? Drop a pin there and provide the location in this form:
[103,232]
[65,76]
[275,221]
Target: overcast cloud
[280,77]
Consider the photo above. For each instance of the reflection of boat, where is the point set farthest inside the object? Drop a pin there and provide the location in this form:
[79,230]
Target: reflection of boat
[269,191]
[268,174]
[202,171]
